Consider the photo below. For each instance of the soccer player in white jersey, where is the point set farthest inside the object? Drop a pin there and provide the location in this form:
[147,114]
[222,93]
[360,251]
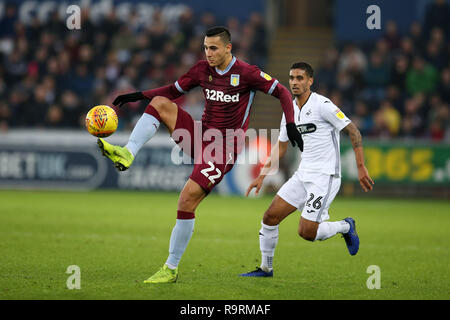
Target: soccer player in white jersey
[314,185]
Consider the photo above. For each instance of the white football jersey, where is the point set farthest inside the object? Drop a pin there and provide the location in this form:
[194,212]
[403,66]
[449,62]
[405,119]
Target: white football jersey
[320,122]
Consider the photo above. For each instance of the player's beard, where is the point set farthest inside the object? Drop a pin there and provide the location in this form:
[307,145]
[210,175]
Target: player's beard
[304,90]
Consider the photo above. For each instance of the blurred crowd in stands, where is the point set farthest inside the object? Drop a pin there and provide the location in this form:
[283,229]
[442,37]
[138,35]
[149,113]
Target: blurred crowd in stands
[398,86]
[51,76]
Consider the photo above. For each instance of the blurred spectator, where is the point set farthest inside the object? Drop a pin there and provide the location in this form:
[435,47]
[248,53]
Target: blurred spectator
[391,117]
[444,85]
[376,77]
[186,28]
[81,82]
[5,116]
[362,118]
[8,21]
[395,96]
[391,36]
[407,49]
[37,108]
[15,67]
[234,26]
[383,49]
[415,34]
[71,109]
[346,85]
[326,73]
[422,77]
[399,72]
[435,56]
[157,32]
[380,127]
[352,60]
[413,123]
[258,48]
[438,118]
[437,15]
[440,124]
[55,117]
[207,19]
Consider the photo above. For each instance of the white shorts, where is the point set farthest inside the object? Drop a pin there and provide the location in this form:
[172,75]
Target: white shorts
[311,193]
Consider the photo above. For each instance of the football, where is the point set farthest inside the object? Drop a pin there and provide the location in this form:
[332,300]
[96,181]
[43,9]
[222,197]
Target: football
[101,121]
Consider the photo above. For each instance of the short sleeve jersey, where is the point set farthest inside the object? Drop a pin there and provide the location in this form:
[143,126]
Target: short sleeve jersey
[228,94]
[320,122]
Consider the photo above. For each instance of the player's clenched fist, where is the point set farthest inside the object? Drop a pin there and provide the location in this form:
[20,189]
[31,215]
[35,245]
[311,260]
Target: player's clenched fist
[129,97]
[294,135]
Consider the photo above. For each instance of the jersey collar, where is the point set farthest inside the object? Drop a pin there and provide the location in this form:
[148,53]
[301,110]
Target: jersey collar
[300,107]
[227,68]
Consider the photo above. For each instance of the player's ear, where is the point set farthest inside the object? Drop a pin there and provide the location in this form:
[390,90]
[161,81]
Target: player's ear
[229,46]
[310,81]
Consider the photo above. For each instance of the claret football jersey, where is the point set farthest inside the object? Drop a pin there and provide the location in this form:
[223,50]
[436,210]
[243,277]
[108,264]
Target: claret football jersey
[229,93]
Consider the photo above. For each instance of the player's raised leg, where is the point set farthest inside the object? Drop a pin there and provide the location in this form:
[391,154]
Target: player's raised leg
[159,110]
[190,197]
[312,231]
[314,224]
[278,210]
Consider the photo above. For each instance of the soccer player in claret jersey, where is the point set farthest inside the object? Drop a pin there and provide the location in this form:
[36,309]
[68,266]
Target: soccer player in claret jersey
[314,185]
[229,87]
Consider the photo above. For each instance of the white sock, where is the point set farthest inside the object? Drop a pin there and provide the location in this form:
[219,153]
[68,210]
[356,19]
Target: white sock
[268,239]
[181,234]
[143,131]
[329,229]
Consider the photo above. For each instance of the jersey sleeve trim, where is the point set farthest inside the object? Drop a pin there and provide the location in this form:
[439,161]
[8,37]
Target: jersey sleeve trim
[177,85]
[247,110]
[338,123]
[272,88]
[343,124]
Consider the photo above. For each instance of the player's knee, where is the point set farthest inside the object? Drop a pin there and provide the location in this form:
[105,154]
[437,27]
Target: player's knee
[160,103]
[186,203]
[190,197]
[271,219]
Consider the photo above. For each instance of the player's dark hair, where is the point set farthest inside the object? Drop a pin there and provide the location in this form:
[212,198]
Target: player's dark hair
[304,66]
[221,32]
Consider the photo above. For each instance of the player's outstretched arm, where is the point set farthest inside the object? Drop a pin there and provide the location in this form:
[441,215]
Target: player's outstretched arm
[186,82]
[285,97]
[365,180]
[170,92]
[119,101]
[268,85]
[278,152]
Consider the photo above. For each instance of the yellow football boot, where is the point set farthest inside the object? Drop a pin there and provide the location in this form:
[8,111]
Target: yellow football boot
[121,157]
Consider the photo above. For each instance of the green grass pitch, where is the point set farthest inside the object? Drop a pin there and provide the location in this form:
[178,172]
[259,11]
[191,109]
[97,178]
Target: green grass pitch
[118,239]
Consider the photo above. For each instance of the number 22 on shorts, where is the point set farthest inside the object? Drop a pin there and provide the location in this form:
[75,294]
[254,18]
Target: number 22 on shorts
[206,172]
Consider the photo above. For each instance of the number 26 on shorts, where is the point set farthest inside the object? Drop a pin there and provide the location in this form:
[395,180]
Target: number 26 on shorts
[316,204]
